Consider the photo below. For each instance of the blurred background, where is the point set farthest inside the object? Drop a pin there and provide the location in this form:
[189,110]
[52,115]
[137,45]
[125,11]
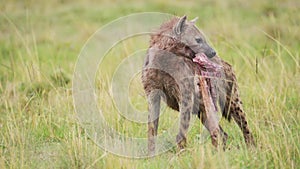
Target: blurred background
[41,40]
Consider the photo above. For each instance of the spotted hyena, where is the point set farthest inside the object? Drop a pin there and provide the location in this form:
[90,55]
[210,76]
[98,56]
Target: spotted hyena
[169,74]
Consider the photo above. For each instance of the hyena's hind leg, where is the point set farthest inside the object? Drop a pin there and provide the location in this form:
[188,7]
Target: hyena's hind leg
[154,98]
[239,117]
[234,104]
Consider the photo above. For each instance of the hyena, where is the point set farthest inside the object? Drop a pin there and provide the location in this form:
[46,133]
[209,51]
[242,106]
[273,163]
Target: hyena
[169,74]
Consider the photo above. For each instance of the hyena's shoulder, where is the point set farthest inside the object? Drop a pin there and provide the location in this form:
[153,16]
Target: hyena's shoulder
[170,63]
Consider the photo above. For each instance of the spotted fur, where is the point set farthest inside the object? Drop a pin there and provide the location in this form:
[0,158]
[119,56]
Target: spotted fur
[169,75]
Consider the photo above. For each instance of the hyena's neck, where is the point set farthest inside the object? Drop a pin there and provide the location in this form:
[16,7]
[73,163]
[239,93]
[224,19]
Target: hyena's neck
[170,45]
[183,51]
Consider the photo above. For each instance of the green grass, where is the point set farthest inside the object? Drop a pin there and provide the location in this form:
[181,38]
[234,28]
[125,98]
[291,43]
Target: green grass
[39,45]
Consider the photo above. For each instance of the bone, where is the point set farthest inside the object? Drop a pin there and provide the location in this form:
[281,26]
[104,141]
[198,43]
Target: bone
[210,107]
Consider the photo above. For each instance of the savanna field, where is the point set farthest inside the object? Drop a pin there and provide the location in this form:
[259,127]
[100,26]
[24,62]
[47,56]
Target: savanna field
[39,45]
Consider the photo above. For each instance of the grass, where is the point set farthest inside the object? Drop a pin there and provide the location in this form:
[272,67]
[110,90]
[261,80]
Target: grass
[39,46]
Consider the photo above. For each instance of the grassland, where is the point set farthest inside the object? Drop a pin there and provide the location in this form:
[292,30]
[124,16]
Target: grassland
[41,40]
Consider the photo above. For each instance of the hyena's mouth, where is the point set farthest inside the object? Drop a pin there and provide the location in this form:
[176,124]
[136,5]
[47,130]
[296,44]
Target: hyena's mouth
[205,63]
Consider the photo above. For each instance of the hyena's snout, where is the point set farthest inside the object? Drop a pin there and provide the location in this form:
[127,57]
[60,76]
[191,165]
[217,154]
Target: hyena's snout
[210,52]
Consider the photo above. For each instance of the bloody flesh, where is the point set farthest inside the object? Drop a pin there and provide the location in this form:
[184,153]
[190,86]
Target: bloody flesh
[206,70]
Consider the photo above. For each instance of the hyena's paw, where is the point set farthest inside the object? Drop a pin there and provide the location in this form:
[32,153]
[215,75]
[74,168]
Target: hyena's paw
[219,138]
[249,139]
[181,141]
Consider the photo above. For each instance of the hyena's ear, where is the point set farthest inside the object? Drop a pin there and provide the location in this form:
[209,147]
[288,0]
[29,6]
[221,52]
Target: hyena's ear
[179,26]
[193,21]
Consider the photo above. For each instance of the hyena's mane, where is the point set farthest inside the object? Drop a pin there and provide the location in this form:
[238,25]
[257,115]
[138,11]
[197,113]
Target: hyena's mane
[164,39]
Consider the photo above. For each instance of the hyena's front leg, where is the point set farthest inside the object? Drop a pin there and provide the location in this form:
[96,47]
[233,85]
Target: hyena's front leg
[154,110]
[224,136]
[185,109]
[215,130]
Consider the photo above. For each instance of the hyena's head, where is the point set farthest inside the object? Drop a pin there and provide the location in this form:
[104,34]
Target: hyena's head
[187,33]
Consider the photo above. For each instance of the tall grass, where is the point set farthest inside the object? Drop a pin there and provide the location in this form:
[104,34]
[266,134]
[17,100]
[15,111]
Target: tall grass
[39,45]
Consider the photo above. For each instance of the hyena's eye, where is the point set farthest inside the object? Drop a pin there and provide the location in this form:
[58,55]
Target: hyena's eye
[199,40]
